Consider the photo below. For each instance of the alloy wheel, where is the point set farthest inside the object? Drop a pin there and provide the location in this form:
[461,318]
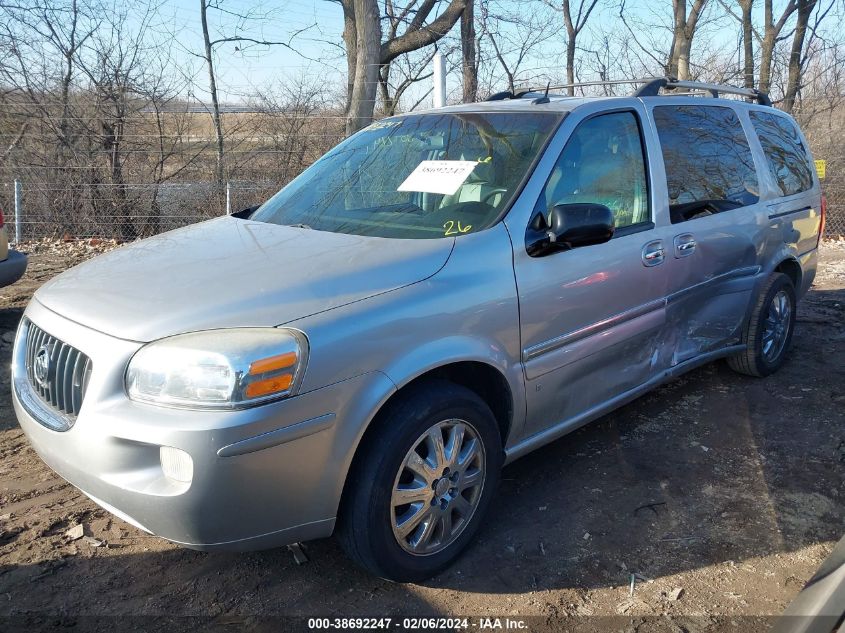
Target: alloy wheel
[438,487]
[776,326]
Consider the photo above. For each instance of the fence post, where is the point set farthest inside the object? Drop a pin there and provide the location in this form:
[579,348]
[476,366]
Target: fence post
[228,200]
[18,211]
[439,80]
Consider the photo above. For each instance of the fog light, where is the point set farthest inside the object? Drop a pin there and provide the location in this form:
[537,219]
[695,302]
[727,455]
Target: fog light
[176,464]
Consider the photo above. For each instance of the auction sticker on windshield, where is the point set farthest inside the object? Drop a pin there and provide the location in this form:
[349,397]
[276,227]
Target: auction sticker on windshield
[438,176]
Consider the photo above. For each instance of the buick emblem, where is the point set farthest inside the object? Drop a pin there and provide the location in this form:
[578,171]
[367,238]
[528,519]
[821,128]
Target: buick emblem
[41,368]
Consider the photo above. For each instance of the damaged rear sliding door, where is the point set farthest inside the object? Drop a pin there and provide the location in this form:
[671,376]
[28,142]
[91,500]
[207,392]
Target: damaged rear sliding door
[714,204]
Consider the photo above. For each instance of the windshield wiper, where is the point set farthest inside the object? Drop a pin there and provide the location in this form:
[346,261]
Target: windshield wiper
[300,226]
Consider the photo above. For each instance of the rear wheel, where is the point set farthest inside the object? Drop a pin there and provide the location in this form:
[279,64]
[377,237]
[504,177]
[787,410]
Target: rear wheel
[768,333]
[419,489]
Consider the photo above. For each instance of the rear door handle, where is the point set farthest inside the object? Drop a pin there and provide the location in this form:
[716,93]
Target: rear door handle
[654,253]
[684,245]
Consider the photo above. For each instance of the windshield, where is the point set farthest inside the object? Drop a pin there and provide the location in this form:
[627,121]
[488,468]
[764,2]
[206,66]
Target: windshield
[417,176]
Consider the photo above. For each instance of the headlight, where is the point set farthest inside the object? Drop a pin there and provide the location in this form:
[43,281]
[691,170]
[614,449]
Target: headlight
[219,369]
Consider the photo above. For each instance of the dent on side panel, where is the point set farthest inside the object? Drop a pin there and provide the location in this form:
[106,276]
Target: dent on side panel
[711,314]
[576,348]
[627,352]
[798,220]
[712,289]
[809,264]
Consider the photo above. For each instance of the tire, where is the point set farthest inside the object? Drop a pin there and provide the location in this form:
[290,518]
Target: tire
[371,523]
[757,359]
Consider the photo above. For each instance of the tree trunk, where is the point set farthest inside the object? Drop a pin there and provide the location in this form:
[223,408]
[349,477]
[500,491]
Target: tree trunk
[66,79]
[679,13]
[767,48]
[747,43]
[371,53]
[350,40]
[685,45]
[671,68]
[771,31]
[212,87]
[468,54]
[683,32]
[571,34]
[388,101]
[793,82]
[367,60]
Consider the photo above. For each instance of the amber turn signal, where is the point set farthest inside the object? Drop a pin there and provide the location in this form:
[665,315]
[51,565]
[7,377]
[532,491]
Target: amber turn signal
[273,363]
[268,386]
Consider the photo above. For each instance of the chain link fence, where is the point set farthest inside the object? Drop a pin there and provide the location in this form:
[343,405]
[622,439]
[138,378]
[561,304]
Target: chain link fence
[140,210]
[835,223]
[134,211]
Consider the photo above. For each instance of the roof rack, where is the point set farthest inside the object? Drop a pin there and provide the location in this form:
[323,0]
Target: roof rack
[648,87]
[651,88]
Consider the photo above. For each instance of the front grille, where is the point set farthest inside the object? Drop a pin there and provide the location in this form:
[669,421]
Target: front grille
[57,372]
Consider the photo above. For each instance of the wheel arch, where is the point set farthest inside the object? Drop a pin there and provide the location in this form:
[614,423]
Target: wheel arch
[790,267]
[787,264]
[484,379]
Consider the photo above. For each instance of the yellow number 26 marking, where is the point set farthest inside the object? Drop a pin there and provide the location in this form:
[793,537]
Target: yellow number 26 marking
[455,228]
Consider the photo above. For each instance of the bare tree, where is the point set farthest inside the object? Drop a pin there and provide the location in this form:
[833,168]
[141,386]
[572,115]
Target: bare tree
[641,58]
[771,36]
[685,23]
[241,41]
[115,63]
[746,7]
[212,88]
[413,67]
[62,28]
[469,54]
[514,36]
[42,42]
[574,25]
[364,43]
[796,53]
[292,111]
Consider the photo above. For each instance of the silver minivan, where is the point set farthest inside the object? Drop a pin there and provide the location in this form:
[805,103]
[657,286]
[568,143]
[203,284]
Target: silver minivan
[438,295]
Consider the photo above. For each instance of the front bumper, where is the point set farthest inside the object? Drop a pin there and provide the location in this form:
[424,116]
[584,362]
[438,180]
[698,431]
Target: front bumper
[12,268]
[262,477]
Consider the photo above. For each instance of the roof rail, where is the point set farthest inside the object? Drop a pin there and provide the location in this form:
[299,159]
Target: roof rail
[650,87]
[507,94]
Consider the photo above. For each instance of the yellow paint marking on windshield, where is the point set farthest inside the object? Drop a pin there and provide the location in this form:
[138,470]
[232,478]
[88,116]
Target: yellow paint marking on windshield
[454,227]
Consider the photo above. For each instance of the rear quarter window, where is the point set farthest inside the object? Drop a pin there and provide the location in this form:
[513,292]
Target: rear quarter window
[786,155]
[709,166]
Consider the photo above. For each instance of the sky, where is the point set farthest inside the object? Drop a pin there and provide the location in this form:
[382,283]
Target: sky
[240,72]
[318,50]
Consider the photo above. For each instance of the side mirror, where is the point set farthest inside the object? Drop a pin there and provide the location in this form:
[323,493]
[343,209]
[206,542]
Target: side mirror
[569,226]
[244,214]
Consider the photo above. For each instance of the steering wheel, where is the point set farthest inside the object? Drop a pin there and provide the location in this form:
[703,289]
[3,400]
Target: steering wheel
[495,192]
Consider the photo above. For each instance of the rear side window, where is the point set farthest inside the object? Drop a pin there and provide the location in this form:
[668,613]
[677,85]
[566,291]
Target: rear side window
[785,153]
[709,167]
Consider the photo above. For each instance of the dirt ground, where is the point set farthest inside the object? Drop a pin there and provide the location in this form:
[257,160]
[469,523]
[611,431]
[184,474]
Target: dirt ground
[730,489]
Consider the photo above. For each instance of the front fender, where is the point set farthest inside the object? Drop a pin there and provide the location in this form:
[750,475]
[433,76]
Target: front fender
[468,311]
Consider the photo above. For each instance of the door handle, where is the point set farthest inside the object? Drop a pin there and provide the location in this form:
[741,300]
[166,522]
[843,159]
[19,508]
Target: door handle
[684,245]
[654,253]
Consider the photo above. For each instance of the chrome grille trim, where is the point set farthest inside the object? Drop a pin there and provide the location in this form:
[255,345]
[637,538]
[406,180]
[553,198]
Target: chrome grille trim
[68,373]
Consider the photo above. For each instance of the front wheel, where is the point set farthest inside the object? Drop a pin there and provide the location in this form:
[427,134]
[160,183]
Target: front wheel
[418,491]
[768,333]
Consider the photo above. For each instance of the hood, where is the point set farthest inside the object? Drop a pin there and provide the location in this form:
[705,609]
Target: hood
[234,273]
